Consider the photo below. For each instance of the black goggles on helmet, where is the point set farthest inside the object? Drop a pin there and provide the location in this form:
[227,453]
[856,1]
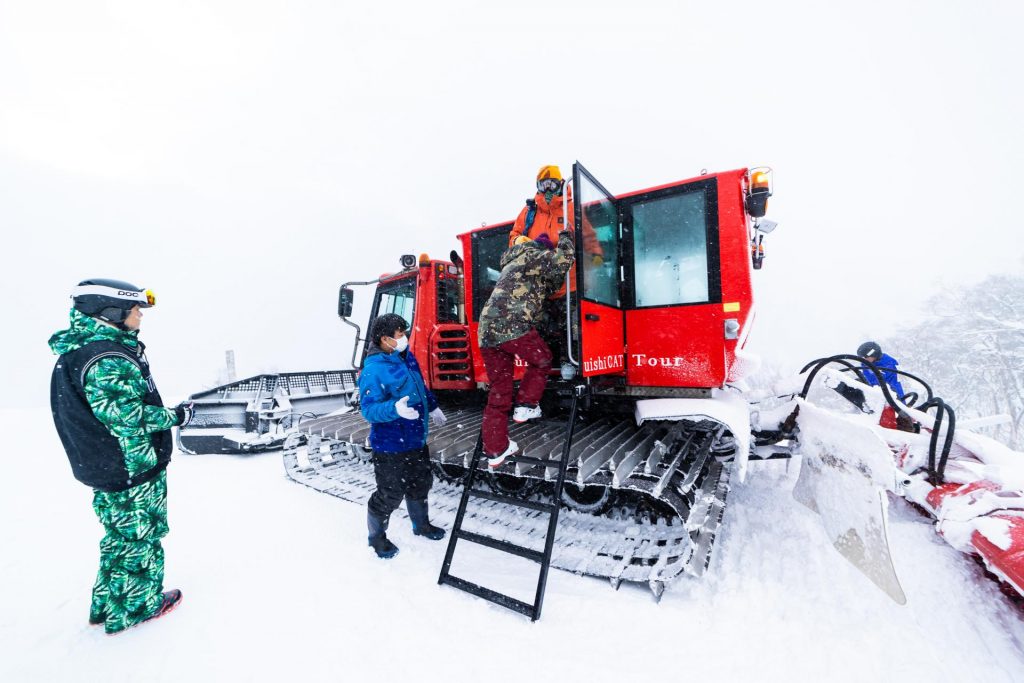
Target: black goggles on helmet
[549,185]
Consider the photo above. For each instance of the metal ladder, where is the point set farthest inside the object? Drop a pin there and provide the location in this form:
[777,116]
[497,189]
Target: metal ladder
[543,558]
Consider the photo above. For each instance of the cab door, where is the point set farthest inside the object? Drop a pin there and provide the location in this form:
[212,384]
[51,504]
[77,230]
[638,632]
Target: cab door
[599,283]
[673,276]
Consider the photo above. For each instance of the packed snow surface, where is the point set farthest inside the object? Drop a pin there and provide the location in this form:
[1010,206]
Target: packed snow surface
[279,585]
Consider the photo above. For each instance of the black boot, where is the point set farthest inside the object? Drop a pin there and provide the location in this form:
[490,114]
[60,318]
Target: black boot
[421,525]
[384,548]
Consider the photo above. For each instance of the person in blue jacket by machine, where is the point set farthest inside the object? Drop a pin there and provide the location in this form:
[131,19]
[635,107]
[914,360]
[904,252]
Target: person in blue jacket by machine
[399,407]
[872,352]
[886,364]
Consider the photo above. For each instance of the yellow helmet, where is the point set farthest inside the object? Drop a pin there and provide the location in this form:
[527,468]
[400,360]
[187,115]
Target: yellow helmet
[549,172]
[520,239]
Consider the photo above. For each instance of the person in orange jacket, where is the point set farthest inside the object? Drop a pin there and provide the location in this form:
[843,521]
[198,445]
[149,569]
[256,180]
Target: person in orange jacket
[544,215]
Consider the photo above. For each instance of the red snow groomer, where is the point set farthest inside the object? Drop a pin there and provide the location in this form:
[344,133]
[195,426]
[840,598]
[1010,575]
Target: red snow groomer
[641,432]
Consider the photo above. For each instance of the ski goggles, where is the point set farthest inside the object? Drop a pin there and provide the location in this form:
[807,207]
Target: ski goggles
[549,185]
[142,297]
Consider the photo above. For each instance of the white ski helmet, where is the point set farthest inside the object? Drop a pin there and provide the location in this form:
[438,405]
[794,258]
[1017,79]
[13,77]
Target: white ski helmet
[110,300]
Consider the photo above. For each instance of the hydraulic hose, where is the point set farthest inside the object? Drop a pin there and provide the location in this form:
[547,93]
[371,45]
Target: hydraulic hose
[936,470]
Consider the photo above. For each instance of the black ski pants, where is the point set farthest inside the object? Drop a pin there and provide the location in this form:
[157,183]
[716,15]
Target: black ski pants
[400,475]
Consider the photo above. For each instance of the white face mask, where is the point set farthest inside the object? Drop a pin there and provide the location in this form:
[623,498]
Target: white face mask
[401,344]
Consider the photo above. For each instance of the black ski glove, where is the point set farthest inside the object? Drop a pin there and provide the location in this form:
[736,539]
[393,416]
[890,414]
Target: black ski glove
[184,410]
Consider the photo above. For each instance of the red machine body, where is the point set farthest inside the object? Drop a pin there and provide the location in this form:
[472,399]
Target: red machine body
[668,306]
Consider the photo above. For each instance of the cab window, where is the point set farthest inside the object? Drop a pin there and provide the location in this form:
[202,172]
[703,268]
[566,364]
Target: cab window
[670,250]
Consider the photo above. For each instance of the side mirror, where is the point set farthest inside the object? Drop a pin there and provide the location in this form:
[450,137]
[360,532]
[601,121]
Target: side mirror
[345,298]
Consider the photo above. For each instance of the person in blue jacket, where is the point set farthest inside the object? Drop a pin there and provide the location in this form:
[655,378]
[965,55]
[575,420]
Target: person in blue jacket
[399,407]
[871,351]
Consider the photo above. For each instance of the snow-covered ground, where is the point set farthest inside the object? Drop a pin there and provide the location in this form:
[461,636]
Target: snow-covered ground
[279,585]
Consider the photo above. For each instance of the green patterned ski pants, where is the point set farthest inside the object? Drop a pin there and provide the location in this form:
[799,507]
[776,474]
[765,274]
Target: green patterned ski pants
[131,578]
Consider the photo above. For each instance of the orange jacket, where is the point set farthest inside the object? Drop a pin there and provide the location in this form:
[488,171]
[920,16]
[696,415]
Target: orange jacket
[549,220]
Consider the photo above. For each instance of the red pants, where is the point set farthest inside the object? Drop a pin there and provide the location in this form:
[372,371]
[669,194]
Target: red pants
[500,362]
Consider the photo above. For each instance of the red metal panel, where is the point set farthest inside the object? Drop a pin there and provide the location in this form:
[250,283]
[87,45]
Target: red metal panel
[602,332]
[1007,562]
[425,314]
[734,251]
[678,346]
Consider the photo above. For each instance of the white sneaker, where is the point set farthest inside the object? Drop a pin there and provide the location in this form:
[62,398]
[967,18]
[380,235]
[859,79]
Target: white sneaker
[525,413]
[496,461]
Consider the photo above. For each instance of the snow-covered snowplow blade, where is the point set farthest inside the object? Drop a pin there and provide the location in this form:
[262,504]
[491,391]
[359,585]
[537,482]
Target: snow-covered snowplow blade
[661,483]
[845,473]
[256,413]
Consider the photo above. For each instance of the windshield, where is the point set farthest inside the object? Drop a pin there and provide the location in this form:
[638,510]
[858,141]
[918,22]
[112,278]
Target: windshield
[396,297]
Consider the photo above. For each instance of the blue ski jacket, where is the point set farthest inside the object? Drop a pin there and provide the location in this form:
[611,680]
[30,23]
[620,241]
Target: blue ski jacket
[891,378]
[385,379]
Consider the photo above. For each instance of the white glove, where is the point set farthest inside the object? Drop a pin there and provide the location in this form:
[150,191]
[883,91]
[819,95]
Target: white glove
[438,418]
[403,409]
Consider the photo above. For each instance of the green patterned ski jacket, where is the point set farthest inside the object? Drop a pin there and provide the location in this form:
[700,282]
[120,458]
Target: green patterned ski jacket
[105,406]
[530,273]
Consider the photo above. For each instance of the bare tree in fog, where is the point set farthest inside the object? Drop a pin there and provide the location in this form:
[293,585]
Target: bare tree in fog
[971,351]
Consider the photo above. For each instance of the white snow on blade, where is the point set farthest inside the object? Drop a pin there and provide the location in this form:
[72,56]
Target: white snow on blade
[845,472]
[845,437]
[725,406]
[279,586]
[997,531]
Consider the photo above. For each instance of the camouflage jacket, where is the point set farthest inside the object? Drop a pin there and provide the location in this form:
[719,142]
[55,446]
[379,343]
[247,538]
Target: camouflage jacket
[105,406]
[529,275]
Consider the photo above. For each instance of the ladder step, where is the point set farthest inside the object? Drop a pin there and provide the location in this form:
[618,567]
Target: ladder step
[487,594]
[505,546]
[509,500]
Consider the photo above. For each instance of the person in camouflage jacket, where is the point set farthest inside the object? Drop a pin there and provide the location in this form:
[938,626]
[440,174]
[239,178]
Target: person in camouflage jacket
[115,430]
[531,270]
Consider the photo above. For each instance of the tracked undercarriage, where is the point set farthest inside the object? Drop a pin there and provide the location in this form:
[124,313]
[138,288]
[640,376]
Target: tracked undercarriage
[659,488]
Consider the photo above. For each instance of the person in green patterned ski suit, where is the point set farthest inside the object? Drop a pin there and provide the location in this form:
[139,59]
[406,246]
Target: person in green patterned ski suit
[115,430]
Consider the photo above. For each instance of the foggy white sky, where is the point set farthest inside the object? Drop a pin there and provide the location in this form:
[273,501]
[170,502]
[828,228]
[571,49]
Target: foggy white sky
[245,158]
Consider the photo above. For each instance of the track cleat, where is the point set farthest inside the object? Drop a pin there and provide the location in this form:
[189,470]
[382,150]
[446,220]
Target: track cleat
[496,461]
[525,413]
